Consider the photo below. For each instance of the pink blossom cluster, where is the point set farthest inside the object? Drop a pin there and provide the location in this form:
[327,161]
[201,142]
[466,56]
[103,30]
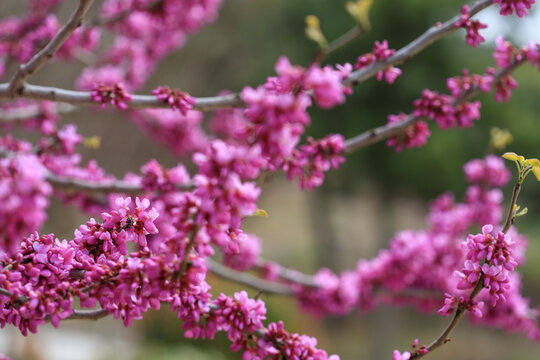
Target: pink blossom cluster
[225,198]
[393,278]
[24,194]
[309,162]
[449,111]
[83,40]
[414,135]
[334,294]
[380,52]
[406,355]
[237,315]
[157,178]
[46,275]
[519,6]
[490,256]
[20,38]
[38,277]
[489,171]
[114,95]
[472,26]
[278,341]
[177,99]
[506,55]
[440,108]
[182,134]
[451,303]
[460,85]
[249,250]
[276,116]
[228,124]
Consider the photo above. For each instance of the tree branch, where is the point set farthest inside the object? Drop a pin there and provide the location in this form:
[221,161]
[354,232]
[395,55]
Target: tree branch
[28,112]
[37,92]
[375,135]
[87,314]
[291,275]
[247,279]
[16,83]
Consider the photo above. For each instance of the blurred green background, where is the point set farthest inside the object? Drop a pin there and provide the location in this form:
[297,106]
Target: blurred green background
[374,194]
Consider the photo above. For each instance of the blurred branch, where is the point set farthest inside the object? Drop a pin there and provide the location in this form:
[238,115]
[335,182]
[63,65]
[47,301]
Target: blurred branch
[16,83]
[337,44]
[247,279]
[87,314]
[30,111]
[375,135]
[291,275]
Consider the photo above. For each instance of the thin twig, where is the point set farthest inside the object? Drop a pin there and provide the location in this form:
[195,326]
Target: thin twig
[16,83]
[337,44]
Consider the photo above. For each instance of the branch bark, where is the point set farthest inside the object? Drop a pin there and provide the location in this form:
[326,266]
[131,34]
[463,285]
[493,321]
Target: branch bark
[247,279]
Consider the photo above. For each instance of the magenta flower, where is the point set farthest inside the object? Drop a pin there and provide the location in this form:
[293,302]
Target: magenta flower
[414,135]
[380,53]
[114,95]
[472,26]
[519,6]
[177,99]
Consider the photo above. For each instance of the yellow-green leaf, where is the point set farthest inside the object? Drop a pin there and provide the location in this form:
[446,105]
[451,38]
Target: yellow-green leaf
[260,212]
[314,32]
[359,11]
[500,138]
[533,162]
[513,156]
[92,142]
[536,171]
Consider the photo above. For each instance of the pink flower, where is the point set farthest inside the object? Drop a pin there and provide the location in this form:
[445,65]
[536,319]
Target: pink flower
[177,99]
[519,6]
[114,95]
[415,135]
[328,91]
[396,355]
[490,171]
[472,26]
[380,53]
